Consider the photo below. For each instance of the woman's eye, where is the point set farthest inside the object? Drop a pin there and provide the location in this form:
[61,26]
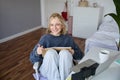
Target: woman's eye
[51,24]
[58,24]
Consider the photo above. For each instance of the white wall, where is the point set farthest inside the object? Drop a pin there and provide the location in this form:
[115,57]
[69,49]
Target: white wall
[51,6]
[107,5]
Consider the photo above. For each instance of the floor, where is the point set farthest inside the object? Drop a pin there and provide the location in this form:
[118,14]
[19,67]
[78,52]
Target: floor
[14,56]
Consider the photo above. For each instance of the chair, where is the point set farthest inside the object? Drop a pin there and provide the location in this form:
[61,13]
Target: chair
[37,74]
[107,36]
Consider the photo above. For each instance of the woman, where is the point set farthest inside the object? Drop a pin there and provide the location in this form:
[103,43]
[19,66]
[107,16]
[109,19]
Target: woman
[56,50]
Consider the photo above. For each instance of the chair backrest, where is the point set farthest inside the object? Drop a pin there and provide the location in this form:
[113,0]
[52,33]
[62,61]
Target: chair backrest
[108,25]
[107,35]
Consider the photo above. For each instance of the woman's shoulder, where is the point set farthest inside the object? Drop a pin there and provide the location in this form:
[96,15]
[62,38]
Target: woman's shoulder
[46,36]
[68,36]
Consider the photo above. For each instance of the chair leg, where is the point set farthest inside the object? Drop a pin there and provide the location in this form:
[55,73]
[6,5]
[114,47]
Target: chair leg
[37,75]
[118,46]
[36,68]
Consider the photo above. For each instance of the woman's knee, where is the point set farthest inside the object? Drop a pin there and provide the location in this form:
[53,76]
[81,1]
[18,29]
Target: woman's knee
[65,53]
[51,52]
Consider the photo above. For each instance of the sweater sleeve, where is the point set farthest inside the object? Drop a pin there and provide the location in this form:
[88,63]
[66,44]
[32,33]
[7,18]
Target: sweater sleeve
[33,55]
[78,54]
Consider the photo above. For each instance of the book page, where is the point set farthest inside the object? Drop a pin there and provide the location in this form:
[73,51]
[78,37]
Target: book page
[56,48]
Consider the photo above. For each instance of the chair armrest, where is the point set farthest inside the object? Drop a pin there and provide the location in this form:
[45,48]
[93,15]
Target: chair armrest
[36,66]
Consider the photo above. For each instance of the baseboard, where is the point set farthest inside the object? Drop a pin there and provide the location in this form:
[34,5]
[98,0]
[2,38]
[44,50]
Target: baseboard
[19,34]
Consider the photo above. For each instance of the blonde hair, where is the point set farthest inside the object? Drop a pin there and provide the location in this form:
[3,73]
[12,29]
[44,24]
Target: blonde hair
[61,19]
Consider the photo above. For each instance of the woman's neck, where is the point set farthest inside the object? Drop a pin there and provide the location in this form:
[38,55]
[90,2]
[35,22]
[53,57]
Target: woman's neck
[55,34]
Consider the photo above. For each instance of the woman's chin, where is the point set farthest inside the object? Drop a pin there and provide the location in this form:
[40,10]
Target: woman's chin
[56,34]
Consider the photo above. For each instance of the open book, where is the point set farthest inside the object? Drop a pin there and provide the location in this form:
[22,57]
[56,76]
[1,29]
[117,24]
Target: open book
[56,48]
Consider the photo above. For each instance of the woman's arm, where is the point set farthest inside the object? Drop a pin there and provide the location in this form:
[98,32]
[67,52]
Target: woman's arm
[34,57]
[78,54]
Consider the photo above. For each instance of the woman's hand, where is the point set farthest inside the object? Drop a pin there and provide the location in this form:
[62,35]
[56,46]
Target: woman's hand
[40,49]
[71,51]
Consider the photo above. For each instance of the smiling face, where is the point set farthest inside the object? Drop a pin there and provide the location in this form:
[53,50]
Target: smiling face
[55,26]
